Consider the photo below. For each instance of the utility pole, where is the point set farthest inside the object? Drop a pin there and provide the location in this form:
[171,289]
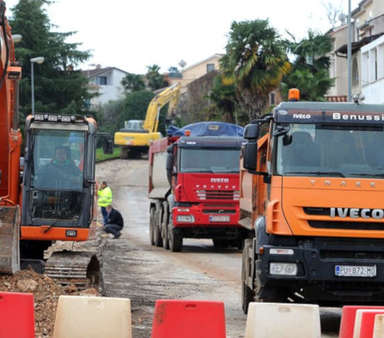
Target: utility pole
[349,52]
[39,60]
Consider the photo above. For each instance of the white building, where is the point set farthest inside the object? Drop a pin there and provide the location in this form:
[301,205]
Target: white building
[372,71]
[107,83]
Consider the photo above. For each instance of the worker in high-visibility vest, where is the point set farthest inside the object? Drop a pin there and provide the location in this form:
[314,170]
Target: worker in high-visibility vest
[105,199]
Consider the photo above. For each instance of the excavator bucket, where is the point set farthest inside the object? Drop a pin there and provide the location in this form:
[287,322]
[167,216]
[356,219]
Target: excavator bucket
[9,239]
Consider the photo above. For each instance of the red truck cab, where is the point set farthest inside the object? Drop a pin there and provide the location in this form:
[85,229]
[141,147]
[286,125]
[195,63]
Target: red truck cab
[202,199]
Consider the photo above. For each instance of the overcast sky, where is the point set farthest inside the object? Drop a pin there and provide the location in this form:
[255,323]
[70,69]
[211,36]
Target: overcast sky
[133,34]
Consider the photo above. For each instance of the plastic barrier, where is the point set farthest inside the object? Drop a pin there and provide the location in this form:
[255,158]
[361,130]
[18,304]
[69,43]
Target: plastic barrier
[348,319]
[268,320]
[378,331]
[364,323]
[92,317]
[188,319]
[16,315]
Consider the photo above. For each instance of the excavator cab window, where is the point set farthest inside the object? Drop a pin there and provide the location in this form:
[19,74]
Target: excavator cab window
[57,173]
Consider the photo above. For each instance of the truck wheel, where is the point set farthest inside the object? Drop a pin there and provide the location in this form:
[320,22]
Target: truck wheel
[175,237]
[164,227]
[156,229]
[247,294]
[151,225]
[165,237]
[246,297]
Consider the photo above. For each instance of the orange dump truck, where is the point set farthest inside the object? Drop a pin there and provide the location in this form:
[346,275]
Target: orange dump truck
[312,199]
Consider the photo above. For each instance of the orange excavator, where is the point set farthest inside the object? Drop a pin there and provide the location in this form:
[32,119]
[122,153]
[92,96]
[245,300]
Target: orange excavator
[51,197]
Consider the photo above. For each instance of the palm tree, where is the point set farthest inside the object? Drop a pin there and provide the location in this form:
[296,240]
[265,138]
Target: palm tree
[255,61]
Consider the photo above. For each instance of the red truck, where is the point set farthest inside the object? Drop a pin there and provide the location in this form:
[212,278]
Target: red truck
[194,186]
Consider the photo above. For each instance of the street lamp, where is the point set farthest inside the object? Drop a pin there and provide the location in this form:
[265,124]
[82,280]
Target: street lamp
[39,60]
[349,53]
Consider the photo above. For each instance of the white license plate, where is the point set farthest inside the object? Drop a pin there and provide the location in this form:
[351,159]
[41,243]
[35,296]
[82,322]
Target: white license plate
[219,218]
[355,271]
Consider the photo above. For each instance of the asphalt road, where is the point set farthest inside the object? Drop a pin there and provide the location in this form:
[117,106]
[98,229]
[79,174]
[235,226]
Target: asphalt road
[134,269]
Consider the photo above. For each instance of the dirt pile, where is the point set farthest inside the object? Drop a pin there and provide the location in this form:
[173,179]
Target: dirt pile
[46,293]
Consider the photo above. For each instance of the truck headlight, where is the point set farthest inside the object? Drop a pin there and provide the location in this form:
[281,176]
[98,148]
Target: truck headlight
[288,269]
[185,218]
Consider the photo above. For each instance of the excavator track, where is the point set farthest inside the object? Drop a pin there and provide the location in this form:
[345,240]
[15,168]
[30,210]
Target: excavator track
[81,269]
[75,264]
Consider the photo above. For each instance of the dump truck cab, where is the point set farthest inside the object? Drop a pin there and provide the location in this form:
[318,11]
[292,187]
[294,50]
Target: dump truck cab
[194,185]
[206,189]
[312,191]
[59,177]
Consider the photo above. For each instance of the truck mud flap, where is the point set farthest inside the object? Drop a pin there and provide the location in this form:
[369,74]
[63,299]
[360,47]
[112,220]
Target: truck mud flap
[9,239]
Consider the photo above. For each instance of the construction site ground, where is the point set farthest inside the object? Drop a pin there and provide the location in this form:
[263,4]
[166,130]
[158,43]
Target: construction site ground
[132,268]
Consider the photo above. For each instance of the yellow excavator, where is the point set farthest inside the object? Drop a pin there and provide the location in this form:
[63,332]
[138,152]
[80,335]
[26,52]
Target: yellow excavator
[136,136]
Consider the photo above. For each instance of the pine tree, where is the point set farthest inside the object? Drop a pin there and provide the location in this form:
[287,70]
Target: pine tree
[59,88]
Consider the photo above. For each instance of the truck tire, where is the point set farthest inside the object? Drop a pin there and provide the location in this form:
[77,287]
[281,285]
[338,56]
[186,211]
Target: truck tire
[156,230]
[164,226]
[151,225]
[247,294]
[175,237]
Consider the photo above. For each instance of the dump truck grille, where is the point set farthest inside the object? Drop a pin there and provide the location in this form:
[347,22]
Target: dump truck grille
[219,195]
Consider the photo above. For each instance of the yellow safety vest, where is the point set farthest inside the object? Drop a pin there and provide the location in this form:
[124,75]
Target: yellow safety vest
[105,197]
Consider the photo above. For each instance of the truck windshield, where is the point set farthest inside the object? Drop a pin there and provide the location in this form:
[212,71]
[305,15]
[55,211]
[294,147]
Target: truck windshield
[209,160]
[329,150]
[57,174]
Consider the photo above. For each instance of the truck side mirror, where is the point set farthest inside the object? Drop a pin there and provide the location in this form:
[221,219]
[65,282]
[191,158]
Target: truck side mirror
[250,155]
[251,132]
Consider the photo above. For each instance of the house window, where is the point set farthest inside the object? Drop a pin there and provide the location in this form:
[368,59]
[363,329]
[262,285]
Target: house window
[210,67]
[101,80]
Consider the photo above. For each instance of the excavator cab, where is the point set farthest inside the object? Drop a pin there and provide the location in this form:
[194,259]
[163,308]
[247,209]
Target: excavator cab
[59,174]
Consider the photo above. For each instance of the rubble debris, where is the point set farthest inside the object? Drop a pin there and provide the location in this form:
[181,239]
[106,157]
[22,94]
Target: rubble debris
[46,293]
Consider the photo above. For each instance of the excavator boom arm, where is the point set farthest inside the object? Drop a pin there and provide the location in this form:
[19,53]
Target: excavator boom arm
[169,95]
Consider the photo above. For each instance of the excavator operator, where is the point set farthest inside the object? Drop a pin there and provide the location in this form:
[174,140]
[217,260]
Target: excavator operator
[61,172]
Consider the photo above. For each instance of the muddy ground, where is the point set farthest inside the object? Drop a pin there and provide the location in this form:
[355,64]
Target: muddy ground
[134,269]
